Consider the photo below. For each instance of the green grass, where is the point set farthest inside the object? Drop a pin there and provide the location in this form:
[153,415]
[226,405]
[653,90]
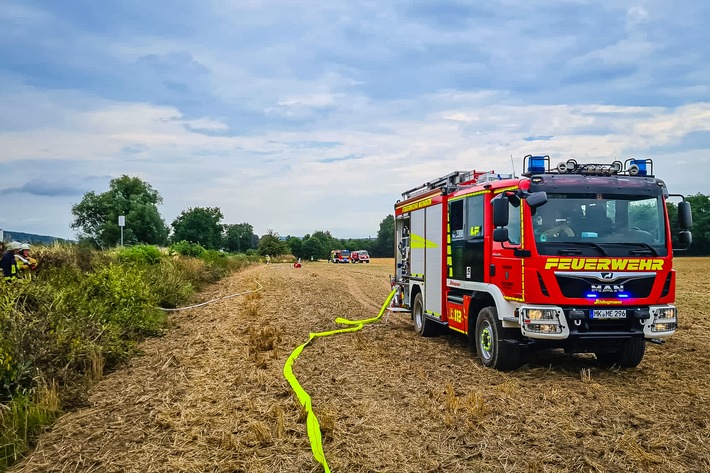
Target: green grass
[83,312]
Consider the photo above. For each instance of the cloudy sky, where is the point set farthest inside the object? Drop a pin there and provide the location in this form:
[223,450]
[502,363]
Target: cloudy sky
[299,115]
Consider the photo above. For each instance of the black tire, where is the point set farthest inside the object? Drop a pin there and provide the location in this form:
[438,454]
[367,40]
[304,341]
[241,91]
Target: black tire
[422,326]
[496,346]
[629,356]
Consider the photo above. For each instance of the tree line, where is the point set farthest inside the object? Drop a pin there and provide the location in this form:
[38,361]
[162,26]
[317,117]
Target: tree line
[96,221]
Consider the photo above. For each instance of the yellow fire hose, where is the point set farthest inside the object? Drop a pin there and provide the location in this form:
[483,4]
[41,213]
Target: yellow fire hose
[312,421]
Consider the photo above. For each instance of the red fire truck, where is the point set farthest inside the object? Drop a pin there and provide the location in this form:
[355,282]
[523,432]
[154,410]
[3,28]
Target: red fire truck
[576,256]
[339,256]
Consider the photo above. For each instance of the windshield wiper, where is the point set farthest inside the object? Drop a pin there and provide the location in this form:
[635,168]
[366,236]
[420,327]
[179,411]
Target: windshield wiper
[646,247]
[583,243]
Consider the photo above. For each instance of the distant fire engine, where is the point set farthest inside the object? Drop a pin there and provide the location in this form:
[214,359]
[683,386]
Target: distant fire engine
[339,256]
[577,257]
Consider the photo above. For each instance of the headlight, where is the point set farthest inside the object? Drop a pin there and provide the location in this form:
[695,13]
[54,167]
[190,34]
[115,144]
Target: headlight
[663,327]
[665,313]
[539,314]
[543,328]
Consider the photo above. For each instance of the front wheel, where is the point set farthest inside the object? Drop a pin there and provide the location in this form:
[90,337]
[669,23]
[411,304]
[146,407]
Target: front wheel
[422,326]
[629,356]
[496,347]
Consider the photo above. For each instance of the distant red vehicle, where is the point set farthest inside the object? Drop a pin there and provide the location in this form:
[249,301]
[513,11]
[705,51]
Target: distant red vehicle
[360,256]
[339,256]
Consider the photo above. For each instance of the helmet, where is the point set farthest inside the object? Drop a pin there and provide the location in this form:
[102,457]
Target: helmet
[25,246]
[13,245]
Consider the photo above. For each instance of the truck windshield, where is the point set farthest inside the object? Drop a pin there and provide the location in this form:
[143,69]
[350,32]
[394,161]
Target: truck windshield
[596,224]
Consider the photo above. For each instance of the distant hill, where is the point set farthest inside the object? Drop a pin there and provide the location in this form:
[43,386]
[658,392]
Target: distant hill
[31,237]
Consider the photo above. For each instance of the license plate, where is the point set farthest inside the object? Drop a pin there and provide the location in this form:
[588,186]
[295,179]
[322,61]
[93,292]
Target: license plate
[607,314]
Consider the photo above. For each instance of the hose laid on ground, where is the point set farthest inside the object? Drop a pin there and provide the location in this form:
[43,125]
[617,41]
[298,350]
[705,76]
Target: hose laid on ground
[259,287]
[304,398]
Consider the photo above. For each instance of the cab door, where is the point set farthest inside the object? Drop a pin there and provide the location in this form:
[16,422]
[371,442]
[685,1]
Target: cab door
[506,268]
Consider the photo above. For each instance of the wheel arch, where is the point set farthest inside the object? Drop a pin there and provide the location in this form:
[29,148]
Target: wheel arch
[479,301]
[416,289]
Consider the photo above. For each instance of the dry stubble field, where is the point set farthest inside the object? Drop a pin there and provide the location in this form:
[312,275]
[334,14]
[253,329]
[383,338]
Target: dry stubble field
[210,396]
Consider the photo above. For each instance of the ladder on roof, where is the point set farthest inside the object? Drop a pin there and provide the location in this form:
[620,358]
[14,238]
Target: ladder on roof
[446,182]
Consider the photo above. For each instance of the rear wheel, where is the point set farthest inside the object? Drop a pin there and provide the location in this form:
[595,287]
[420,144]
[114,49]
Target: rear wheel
[496,346]
[629,356]
[422,325]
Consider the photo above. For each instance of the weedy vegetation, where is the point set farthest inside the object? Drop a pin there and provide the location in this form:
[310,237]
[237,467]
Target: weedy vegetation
[81,314]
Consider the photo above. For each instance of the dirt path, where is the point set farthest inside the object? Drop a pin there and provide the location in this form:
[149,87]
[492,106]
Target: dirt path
[210,395]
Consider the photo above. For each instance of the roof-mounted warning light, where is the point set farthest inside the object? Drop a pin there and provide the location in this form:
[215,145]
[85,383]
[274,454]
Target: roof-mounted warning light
[632,167]
[639,167]
[536,165]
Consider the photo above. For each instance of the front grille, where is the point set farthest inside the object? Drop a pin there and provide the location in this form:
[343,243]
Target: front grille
[578,286]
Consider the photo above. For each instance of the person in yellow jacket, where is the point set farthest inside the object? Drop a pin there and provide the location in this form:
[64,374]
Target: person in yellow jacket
[8,261]
[25,263]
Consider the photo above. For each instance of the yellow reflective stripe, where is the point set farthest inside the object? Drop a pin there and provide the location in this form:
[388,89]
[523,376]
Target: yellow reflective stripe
[468,195]
[420,242]
[503,189]
[304,398]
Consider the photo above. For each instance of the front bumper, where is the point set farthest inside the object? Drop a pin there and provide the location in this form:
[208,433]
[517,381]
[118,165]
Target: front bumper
[558,323]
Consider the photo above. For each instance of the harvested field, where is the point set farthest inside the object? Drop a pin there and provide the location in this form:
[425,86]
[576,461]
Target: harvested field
[210,395]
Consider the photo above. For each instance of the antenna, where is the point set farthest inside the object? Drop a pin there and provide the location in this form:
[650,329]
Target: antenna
[512,164]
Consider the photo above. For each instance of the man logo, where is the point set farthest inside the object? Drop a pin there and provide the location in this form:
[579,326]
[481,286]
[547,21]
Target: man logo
[612,288]
[607,275]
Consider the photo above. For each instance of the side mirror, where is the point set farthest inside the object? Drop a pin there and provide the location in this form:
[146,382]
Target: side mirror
[500,235]
[500,212]
[536,199]
[685,216]
[685,238]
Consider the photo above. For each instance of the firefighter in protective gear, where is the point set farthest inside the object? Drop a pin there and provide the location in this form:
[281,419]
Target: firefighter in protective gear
[8,261]
[25,263]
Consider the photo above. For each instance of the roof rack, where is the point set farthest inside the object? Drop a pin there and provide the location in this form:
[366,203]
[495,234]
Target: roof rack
[631,167]
[448,183]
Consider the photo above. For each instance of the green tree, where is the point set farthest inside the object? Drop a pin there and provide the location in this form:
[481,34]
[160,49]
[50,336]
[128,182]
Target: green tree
[384,246]
[271,245]
[327,241]
[239,237]
[96,216]
[296,246]
[700,207]
[313,246]
[199,225]
[360,244]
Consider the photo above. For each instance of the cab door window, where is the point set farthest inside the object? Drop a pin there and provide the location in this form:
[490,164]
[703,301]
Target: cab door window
[514,230]
[474,217]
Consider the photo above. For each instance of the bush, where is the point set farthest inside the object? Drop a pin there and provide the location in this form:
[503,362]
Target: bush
[140,254]
[175,281]
[186,248]
[85,311]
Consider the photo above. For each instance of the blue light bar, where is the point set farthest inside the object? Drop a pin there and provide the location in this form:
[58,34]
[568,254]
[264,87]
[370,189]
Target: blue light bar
[641,163]
[592,295]
[623,295]
[536,164]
